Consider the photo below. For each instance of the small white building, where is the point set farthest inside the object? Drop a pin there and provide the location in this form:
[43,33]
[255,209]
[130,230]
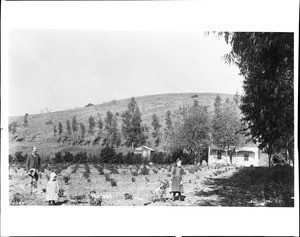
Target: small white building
[244,156]
[145,151]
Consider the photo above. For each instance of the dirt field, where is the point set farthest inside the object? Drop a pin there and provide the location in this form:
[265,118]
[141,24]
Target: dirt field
[206,186]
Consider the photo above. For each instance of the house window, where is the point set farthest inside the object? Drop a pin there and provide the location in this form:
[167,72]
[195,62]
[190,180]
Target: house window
[246,156]
[219,155]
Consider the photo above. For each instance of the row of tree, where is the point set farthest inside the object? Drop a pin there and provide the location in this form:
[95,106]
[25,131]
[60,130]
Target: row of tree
[133,131]
[190,129]
[266,61]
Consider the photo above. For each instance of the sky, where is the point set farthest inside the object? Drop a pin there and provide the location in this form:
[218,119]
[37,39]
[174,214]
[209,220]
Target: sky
[64,69]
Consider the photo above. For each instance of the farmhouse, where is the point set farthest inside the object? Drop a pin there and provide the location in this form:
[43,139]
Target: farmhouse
[144,151]
[243,156]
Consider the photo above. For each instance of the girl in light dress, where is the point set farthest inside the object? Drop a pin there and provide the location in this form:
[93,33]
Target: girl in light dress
[52,189]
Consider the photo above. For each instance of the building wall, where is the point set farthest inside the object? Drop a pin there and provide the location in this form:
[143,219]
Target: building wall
[238,158]
[213,158]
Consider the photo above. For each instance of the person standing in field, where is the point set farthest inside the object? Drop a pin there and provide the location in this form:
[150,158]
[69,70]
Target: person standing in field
[177,182]
[33,166]
[52,189]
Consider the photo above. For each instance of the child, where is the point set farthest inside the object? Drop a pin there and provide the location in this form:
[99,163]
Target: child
[177,183]
[52,189]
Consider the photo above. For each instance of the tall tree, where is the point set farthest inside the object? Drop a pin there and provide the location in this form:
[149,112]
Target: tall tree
[112,135]
[68,126]
[132,125]
[54,130]
[217,104]
[266,61]
[192,133]
[74,124]
[60,128]
[227,129]
[156,129]
[92,124]
[82,127]
[26,120]
[169,130]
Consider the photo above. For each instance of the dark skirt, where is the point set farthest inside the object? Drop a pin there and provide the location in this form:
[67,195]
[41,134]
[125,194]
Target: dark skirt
[175,186]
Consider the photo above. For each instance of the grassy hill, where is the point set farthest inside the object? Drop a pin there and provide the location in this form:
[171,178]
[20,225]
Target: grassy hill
[39,132]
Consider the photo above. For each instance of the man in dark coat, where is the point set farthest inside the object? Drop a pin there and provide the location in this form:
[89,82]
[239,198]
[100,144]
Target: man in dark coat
[33,164]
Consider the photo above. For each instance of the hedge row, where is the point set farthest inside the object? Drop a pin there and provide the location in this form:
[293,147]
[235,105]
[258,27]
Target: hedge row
[107,155]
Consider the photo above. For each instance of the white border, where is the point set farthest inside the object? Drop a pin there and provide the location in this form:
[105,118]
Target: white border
[210,15]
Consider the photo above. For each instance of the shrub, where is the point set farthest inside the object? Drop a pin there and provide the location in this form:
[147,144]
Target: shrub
[68,157]
[80,157]
[159,158]
[131,158]
[58,158]
[108,154]
[10,158]
[49,122]
[144,170]
[19,157]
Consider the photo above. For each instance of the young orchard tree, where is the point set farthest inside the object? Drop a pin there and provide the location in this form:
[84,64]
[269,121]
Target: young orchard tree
[132,125]
[169,130]
[82,128]
[92,124]
[266,61]
[54,130]
[68,126]
[25,120]
[74,124]
[60,128]
[112,136]
[227,129]
[156,129]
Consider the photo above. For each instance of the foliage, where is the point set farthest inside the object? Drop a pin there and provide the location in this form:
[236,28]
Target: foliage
[108,154]
[192,132]
[266,61]
[227,127]
[25,120]
[80,157]
[60,128]
[19,157]
[92,124]
[54,130]
[12,127]
[74,124]
[49,122]
[68,126]
[112,136]
[132,125]
[156,127]
[82,128]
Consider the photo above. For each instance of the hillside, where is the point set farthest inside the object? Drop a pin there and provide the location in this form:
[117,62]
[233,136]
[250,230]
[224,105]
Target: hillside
[40,126]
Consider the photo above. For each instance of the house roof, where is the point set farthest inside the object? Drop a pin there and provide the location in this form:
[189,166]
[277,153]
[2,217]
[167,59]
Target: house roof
[141,148]
[247,144]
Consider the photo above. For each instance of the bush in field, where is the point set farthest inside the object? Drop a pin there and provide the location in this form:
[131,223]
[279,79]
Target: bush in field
[80,157]
[10,158]
[58,158]
[68,157]
[144,171]
[108,154]
[131,158]
[159,158]
[19,157]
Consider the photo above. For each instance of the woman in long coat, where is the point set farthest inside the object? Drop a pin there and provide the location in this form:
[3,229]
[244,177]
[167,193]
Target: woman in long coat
[177,182]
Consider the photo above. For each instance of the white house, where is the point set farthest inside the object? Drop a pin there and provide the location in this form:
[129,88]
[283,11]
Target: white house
[244,156]
[144,151]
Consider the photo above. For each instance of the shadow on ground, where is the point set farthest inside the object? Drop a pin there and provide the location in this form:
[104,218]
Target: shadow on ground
[251,186]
